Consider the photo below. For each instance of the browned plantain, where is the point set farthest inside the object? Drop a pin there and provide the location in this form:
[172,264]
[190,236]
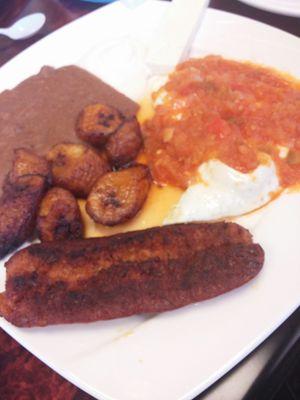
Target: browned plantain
[123,146]
[118,196]
[76,167]
[59,217]
[146,271]
[96,122]
[26,162]
[18,208]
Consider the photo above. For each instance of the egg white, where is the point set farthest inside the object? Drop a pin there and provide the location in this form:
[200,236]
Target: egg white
[225,192]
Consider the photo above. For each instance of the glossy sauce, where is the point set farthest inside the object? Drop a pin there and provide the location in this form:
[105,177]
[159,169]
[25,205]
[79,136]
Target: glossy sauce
[232,111]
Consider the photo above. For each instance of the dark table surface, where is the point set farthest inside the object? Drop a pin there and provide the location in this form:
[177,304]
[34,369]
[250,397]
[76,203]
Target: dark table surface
[23,376]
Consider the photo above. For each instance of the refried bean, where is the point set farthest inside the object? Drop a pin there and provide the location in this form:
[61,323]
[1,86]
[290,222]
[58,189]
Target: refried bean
[42,110]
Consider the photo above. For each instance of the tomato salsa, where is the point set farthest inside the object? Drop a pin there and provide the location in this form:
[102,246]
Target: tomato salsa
[223,109]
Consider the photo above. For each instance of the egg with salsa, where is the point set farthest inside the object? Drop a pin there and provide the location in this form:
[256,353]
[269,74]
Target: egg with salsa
[227,134]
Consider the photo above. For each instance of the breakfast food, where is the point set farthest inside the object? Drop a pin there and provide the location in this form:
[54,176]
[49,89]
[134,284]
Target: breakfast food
[26,162]
[224,191]
[18,208]
[76,167]
[146,271]
[213,108]
[222,140]
[223,131]
[42,110]
[59,216]
[123,146]
[22,192]
[118,196]
[96,122]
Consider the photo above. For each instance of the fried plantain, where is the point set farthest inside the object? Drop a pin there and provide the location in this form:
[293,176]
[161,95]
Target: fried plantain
[96,122]
[147,271]
[18,208]
[118,196]
[123,146]
[26,162]
[59,216]
[76,167]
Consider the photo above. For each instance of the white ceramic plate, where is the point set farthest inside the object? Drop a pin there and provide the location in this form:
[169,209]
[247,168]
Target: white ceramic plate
[284,7]
[178,354]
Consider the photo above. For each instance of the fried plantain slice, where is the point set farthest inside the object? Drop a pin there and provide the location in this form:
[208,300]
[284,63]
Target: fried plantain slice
[59,216]
[96,122]
[76,167]
[147,271]
[123,146]
[118,196]
[26,162]
[18,208]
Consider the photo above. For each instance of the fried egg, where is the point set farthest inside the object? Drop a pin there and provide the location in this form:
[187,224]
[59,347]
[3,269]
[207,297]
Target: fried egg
[225,192]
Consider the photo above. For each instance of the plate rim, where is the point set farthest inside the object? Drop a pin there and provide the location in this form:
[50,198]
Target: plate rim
[275,10]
